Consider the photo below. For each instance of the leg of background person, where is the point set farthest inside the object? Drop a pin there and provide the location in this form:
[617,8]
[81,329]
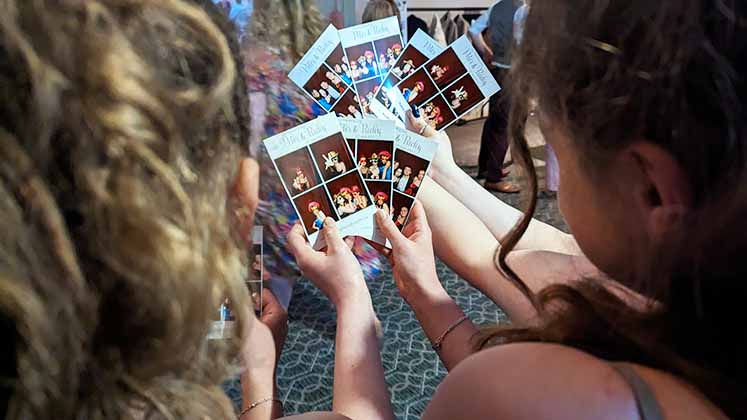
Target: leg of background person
[497,145]
[488,135]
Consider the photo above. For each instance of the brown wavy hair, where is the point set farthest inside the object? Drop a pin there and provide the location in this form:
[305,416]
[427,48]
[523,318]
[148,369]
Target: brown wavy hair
[119,140]
[672,72]
[380,9]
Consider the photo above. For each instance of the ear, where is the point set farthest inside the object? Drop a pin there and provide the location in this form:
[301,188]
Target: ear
[665,196]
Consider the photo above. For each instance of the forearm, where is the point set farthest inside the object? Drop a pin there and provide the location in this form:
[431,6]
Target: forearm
[360,391]
[436,312]
[464,244]
[256,387]
[454,185]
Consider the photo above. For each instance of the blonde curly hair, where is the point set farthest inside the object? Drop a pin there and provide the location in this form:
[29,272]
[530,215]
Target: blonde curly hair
[118,144]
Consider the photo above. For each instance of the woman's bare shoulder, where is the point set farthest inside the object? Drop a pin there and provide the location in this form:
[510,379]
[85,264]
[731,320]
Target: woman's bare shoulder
[317,416]
[536,380]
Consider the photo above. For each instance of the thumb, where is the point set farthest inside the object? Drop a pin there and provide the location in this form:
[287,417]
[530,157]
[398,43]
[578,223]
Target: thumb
[418,125]
[332,235]
[389,229]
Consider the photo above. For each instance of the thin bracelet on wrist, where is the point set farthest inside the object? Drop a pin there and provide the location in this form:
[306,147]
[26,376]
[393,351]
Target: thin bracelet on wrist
[258,403]
[440,340]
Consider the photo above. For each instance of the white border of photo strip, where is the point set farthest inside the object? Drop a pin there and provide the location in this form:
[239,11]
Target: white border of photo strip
[302,137]
[369,32]
[371,130]
[416,145]
[475,67]
[426,46]
[316,58]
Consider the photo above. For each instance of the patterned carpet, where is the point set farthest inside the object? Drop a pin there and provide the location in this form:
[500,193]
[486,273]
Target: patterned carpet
[413,370]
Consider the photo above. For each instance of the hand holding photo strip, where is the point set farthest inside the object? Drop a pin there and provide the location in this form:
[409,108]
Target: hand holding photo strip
[412,159]
[448,86]
[323,74]
[374,149]
[336,187]
[370,50]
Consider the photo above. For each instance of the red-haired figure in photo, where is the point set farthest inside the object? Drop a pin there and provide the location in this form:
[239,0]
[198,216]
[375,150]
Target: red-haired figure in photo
[363,166]
[301,181]
[344,202]
[320,216]
[438,72]
[411,94]
[381,201]
[360,200]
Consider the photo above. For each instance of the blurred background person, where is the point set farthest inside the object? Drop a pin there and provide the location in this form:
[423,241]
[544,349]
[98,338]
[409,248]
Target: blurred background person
[277,36]
[380,9]
[494,45]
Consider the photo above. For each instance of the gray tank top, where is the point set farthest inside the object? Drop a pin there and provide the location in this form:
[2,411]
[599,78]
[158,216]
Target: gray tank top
[648,406]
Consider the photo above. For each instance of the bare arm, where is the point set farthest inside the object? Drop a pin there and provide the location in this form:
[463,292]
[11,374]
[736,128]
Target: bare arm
[413,266]
[497,216]
[360,391]
[464,243]
[458,187]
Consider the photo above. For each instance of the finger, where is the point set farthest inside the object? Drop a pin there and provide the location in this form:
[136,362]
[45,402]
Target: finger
[332,236]
[418,218]
[299,246]
[389,229]
[350,241]
[420,126]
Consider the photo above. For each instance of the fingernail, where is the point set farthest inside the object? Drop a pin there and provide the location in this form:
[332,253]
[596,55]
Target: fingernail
[329,221]
[380,214]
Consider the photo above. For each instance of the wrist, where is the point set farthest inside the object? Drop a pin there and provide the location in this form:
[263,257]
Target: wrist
[256,386]
[356,299]
[429,296]
[446,174]
[354,294]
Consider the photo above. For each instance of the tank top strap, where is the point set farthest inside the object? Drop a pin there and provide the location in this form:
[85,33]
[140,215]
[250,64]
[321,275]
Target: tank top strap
[648,406]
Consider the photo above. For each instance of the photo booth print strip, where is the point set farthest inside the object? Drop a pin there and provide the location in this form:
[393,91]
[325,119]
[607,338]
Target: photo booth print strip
[462,79]
[388,103]
[304,137]
[417,152]
[255,282]
[370,50]
[318,78]
[224,324]
[374,149]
